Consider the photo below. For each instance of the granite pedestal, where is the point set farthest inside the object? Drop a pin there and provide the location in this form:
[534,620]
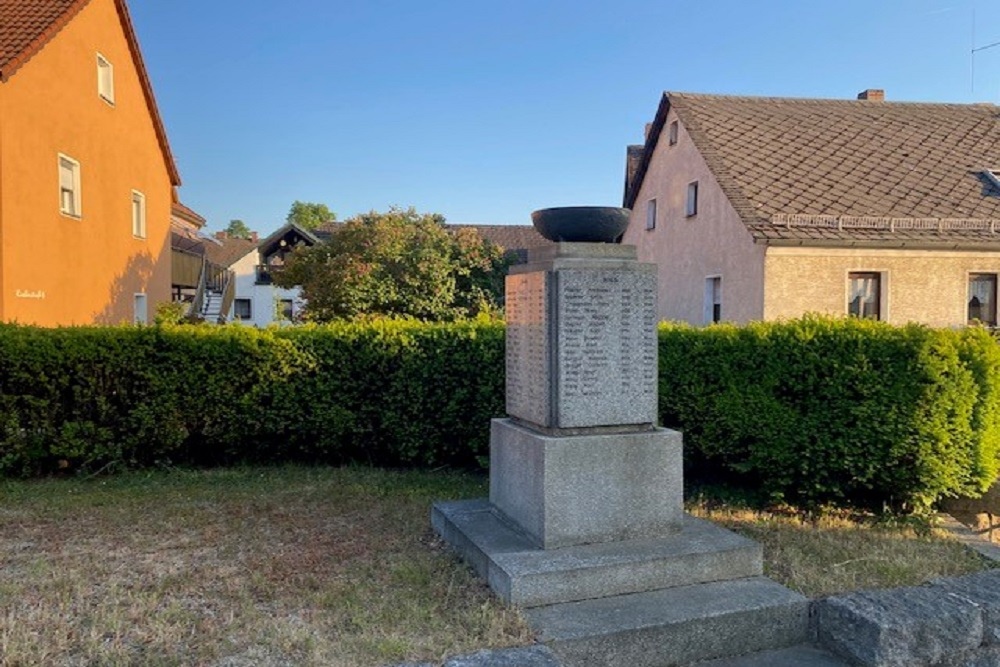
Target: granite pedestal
[582,489]
[585,515]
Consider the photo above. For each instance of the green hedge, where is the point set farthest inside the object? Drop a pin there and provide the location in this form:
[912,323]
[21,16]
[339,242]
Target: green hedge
[836,410]
[812,410]
[387,393]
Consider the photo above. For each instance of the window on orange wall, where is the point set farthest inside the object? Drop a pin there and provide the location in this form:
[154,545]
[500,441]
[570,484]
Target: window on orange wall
[651,214]
[105,79]
[141,315]
[69,186]
[138,214]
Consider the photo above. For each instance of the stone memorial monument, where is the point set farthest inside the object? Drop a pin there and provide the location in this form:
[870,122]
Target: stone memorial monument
[585,525]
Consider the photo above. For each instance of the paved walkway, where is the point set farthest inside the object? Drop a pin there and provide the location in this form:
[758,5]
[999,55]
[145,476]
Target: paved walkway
[970,538]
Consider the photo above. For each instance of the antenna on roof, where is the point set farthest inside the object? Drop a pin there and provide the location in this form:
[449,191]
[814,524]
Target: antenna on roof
[975,50]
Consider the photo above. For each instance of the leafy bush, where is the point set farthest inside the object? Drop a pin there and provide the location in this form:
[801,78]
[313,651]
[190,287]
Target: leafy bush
[813,410]
[836,410]
[387,393]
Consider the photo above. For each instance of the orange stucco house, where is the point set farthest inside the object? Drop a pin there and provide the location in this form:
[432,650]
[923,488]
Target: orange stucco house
[87,180]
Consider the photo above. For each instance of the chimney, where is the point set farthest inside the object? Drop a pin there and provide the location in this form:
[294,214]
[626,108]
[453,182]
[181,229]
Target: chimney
[633,158]
[253,237]
[872,95]
[222,236]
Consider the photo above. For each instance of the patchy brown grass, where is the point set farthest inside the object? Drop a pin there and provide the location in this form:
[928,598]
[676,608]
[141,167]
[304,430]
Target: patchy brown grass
[323,566]
[303,566]
[835,551]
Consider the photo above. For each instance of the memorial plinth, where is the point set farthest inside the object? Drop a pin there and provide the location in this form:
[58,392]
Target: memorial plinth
[580,460]
[584,525]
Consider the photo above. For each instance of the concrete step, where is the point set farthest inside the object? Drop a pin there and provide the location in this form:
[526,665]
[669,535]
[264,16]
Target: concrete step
[521,573]
[802,655]
[674,626]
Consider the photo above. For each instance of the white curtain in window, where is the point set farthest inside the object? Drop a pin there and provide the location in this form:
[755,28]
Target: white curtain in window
[863,298]
[981,295]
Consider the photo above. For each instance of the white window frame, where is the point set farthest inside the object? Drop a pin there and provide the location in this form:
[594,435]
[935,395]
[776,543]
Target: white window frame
[75,207]
[691,201]
[673,132]
[140,308]
[651,214]
[105,79]
[713,297]
[138,222]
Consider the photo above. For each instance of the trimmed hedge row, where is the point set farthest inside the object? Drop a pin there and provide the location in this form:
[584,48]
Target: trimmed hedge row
[837,410]
[386,393]
[812,410]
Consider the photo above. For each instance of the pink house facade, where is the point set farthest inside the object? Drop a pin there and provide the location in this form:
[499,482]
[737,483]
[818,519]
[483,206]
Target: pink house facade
[769,208]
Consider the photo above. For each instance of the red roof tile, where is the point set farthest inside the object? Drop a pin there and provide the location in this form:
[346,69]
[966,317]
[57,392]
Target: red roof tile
[187,213]
[836,171]
[26,25]
[226,251]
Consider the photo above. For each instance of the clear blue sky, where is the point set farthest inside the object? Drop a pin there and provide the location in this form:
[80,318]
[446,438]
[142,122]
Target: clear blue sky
[485,111]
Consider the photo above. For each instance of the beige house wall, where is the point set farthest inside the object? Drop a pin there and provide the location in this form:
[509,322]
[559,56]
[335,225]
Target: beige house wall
[926,286]
[690,250]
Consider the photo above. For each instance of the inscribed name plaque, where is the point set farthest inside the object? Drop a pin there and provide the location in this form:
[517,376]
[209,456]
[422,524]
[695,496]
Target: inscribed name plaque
[605,348]
[581,341]
[528,360]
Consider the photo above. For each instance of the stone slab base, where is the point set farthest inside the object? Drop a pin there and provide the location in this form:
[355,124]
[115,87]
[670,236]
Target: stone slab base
[520,573]
[674,626]
[582,489]
[952,621]
[802,655]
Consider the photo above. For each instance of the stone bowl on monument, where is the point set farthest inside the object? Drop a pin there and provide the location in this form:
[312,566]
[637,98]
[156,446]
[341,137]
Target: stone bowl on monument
[584,526]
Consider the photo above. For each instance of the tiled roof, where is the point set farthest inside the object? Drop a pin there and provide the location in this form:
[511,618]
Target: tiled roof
[514,239]
[26,26]
[327,230]
[186,213]
[847,171]
[227,251]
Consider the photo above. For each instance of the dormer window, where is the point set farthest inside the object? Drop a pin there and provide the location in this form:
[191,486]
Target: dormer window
[105,79]
[994,176]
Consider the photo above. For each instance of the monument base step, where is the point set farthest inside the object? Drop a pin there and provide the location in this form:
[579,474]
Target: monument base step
[802,655]
[520,573]
[674,626]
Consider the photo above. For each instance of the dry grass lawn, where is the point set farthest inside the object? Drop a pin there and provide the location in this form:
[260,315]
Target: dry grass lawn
[839,551]
[319,566]
[294,566]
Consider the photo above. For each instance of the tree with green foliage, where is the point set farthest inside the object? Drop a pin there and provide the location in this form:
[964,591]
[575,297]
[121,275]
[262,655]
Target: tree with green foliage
[400,263]
[308,215]
[238,229]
